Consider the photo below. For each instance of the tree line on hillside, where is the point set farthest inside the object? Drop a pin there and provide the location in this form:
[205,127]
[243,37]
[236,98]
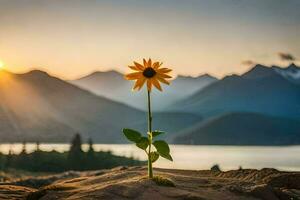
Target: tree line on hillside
[74,159]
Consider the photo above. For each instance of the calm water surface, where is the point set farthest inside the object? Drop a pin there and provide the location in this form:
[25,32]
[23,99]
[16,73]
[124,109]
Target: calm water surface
[197,157]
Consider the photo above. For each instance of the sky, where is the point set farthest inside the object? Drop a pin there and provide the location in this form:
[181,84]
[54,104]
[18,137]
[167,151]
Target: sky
[71,38]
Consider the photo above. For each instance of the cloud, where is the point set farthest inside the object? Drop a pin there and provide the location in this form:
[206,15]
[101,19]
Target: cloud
[248,62]
[286,56]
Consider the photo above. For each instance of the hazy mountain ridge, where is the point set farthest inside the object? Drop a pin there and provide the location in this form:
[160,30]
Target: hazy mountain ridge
[112,85]
[38,107]
[260,90]
[24,113]
[260,107]
[242,129]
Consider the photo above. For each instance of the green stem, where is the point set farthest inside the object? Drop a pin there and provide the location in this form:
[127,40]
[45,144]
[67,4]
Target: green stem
[150,170]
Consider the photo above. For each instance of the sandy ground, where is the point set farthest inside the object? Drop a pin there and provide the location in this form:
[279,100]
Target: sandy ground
[132,183]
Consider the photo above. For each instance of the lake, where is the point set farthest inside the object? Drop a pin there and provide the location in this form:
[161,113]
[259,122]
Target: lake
[197,157]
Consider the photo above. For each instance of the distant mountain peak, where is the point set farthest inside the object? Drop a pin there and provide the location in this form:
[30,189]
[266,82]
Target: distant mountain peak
[106,72]
[259,67]
[293,67]
[206,76]
[202,76]
[37,72]
[258,71]
[96,74]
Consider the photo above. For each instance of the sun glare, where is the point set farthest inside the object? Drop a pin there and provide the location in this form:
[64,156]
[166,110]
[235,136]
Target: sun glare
[1,65]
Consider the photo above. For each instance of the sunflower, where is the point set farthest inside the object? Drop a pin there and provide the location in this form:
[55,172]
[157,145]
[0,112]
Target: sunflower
[148,71]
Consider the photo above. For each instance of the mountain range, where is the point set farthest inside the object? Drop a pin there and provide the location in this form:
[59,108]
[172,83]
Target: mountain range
[38,107]
[112,85]
[242,129]
[264,90]
[261,106]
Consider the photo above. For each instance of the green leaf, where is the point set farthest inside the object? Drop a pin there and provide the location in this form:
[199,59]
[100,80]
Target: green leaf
[163,149]
[168,157]
[143,143]
[162,146]
[132,135]
[157,133]
[154,156]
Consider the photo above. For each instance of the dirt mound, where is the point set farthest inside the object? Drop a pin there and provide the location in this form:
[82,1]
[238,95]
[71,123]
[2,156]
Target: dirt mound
[132,183]
[271,177]
[250,175]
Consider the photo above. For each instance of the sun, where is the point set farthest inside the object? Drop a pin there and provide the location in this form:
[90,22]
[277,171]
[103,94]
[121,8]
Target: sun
[1,65]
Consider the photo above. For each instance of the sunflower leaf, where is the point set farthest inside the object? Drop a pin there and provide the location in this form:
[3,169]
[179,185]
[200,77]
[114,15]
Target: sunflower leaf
[154,156]
[157,133]
[143,143]
[132,135]
[163,149]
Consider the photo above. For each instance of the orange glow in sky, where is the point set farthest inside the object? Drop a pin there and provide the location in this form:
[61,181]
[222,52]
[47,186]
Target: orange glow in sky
[72,38]
[1,64]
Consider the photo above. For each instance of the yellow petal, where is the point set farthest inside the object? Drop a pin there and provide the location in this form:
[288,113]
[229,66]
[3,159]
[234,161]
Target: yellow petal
[160,64]
[164,70]
[136,85]
[139,83]
[156,84]
[162,80]
[139,66]
[149,64]
[134,68]
[149,85]
[143,80]
[133,76]
[163,75]
[145,62]
[155,65]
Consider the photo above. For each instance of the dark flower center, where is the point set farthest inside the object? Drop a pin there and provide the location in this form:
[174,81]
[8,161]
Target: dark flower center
[149,72]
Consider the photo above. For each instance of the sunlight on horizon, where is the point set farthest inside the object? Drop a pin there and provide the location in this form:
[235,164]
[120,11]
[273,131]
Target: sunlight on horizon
[1,65]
